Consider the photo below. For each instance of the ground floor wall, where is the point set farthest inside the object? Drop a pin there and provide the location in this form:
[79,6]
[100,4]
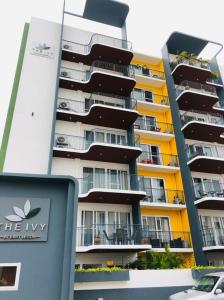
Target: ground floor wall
[146,285]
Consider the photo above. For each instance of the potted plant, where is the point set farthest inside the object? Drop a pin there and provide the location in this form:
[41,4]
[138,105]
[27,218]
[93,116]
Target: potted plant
[97,240]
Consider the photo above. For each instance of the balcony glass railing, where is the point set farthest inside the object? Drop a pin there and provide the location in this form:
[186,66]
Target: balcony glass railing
[209,189]
[191,61]
[110,68]
[153,98]
[202,117]
[158,159]
[205,150]
[158,127]
[215,81]
[160,195]
[77,106]
[96,39]
[116,234]
[140,70]
[93,136]
[195,87]
[213,237]
[111,179]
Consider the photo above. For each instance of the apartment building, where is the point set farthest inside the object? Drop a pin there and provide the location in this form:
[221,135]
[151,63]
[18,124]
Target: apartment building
[87,105]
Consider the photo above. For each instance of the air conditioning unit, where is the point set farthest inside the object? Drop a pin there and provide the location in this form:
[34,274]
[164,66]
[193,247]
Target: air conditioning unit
[61,142]
[64,74]
[66,46]
[63,105]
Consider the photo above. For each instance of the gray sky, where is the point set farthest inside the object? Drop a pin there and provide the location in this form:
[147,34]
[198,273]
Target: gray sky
[149,25]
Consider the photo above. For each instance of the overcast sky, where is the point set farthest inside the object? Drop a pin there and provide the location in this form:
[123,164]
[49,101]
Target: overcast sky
[149,24]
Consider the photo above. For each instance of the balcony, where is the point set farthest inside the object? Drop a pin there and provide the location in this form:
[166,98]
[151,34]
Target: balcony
[99,109]
[131,238]
[159,131]
[158,162]
[108,237]
[202,126]
[206,158]
[213,239]
[196,96]
[215,82]
[101,77]
[189,67]
[110,188]
[209,196]
[144,75]
[155,103]
[100,47]
[165,199]
[101,145]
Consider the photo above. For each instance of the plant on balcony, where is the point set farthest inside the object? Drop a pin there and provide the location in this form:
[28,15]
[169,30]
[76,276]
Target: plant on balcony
[214,75]
[157,260]
[97,240]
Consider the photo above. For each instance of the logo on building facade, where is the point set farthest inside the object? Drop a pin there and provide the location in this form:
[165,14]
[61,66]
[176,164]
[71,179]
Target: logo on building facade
[28,222]
[42,49]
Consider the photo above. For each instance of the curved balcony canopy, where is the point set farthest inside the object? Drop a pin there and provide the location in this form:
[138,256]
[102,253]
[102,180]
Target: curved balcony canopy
[206,159]
[107,146]
[209,196]
[197,54]
[100,47]
[201,126]
[99,109]
[118,189]
[196,96]
[101,77]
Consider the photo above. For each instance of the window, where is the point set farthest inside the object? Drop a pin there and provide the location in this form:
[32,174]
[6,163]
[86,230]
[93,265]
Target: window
[143,95]
[207,187]
[195,150]
[154,188]
[104,178]
[157,227]
[150,154]
[213,230]
[9,276]
[104,137]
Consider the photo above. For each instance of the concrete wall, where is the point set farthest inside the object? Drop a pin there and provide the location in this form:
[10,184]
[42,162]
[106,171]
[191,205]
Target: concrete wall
[29,141]
[144,284]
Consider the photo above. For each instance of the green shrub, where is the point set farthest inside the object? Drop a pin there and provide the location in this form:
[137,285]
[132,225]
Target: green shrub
[95,270]
[157,260]
[207,267]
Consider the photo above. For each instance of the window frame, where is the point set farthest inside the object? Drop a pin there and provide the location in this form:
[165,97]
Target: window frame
[15,287]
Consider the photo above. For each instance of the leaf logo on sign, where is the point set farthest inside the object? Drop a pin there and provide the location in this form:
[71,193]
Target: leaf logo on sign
[23,214]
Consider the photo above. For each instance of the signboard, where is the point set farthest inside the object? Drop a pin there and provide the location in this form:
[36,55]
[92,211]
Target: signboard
[24,219]
[42,49]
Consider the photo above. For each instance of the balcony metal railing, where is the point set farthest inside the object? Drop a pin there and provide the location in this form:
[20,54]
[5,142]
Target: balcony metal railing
[110,68]
[205,150]
[156,98]
[209,190]
[158,159]
[160,195]
[77,106]
[96,136]
[158,127]
[215,81]
[119,180]
[191,61]
[213,237]
[202,117]
[96,39]
[195,87]
[144,71]
[116,234]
